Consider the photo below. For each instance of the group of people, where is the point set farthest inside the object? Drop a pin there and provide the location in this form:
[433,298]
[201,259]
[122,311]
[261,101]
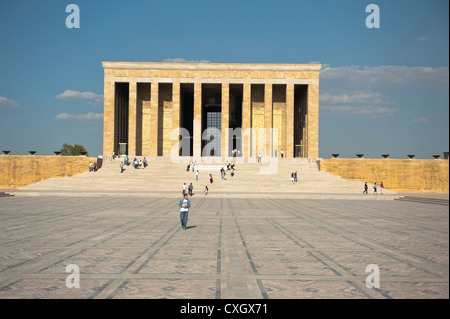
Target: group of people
[92,167]
[375,187]
[191,166]
[137,164]
[190,189]
[294,177]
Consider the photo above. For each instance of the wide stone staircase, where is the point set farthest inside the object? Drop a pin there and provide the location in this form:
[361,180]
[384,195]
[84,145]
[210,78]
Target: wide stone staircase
[164,177]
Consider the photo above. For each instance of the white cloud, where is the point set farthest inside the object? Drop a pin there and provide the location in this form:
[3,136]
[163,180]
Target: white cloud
[418,120]
[358,97]
[361,91]
[385,77]
[184,60]
[91,98]
[378,112]
[7,103]
[88,117]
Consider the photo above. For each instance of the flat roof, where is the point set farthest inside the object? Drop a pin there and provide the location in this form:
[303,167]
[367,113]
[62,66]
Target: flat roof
[212,66]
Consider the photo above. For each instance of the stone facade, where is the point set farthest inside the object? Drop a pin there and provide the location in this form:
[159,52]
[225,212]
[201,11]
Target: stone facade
[155,99]
[400,175]
[21,170]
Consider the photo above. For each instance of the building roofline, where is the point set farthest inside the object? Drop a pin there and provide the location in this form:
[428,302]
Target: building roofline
[212,66]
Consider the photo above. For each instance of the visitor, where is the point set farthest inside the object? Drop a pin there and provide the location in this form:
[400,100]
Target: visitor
[259,157]
[184,205]
[144,161]
[365,188]
[188,166]
[90,166]
[232,172]
[375,188]
[184,189]
[121,167]
[381,187]
[140,163]
[295,176]
[292,177]
[196,175]
[95,167]
[206,190]
[190,189]
[281,152]
[210,178]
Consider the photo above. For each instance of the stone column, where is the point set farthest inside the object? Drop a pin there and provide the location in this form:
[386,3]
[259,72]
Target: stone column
[132,119]
[197,142]
[289,151]
[176,112]
[154,119]
[246,119]
[108,117]
[225,118]
[268,108]
[313,121]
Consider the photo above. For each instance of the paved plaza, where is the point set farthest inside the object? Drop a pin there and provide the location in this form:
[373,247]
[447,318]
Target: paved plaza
[134,247]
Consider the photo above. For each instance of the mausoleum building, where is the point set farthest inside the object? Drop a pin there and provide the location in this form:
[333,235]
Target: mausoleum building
[211,109]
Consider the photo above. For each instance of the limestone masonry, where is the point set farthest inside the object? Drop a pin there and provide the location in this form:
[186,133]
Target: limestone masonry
[400,175]
[211,109]
[20,170]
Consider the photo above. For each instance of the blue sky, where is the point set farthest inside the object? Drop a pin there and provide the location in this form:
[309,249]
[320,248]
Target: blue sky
[382,91]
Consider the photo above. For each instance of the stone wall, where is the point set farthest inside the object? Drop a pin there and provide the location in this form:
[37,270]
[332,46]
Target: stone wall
[21,170]
[399,175]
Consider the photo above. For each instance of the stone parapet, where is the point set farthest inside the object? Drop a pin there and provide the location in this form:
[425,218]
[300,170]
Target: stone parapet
[21,170]
[400,175]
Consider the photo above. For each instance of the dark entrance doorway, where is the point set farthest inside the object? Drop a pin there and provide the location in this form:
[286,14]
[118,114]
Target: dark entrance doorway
[211,119]
[121,106]
[300,120]
[186,118]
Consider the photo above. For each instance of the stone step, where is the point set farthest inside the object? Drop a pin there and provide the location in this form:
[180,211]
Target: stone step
[164,176]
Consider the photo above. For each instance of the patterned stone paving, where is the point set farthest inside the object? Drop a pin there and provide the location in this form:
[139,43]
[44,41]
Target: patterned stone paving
[234,248]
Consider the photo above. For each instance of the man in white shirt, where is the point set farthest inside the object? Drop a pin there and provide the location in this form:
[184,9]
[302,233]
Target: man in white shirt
[184,205]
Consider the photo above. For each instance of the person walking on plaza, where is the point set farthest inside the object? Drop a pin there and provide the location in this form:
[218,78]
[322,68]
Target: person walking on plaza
[295,176]
[206,190]
[196,175]
[375,188]
[90,166]
[259,157]
[144,161]
[210,178]
[184,205]
[121,167]
[381,187]
[292,177]
[184,189]
[190,189]
[282,153]
[365,188]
